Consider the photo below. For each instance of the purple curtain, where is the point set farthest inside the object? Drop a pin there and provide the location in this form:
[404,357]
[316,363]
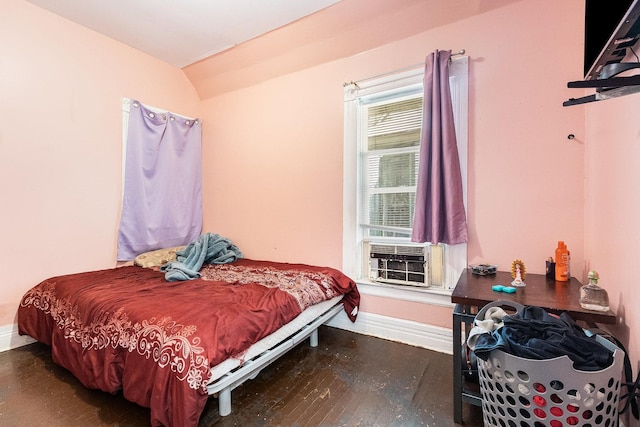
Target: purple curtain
[439,212]
[162,203]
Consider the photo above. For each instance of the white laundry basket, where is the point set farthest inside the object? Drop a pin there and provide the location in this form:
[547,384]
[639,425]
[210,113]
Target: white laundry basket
[518,392]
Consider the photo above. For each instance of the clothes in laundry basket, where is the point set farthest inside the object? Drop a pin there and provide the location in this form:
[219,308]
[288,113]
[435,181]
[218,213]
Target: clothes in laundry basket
[533,333]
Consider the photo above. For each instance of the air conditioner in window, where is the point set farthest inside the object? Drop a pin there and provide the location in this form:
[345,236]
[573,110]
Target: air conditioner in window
[399,264]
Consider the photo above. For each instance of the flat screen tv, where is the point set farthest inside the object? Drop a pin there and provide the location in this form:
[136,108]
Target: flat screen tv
[611,26]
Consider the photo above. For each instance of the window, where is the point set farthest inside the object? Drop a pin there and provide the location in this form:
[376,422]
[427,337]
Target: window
[388,154]
[382,141]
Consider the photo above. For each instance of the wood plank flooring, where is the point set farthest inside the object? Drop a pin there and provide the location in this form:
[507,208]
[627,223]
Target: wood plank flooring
[348,380]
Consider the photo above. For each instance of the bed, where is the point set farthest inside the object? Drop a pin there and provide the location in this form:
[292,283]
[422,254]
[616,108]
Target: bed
[169,345]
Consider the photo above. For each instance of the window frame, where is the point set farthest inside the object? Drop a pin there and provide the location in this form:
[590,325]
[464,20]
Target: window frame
[391,86]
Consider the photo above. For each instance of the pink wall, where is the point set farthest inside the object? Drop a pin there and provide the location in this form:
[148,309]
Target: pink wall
[612,234]
[347,28]
[273,155]
[61,87]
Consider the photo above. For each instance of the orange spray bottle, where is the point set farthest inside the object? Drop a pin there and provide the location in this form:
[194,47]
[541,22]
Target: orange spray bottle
[562,262]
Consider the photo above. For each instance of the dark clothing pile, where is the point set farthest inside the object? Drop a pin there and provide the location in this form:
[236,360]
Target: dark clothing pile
[535,334]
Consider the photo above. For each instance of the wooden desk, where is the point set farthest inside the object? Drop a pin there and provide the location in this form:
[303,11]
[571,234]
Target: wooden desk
[473,292]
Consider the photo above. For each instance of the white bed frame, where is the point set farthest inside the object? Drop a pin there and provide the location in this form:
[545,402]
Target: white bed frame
[223,384]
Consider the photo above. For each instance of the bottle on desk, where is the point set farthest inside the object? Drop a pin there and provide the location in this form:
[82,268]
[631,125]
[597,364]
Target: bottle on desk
[563,257]
[592,296]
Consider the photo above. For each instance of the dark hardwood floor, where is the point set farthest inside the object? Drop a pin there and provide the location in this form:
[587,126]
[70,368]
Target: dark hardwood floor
[348,380]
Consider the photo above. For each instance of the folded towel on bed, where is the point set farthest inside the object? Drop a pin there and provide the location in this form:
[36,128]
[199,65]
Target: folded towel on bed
[208,249]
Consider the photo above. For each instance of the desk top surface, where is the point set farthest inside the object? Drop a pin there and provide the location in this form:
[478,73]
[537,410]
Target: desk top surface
[547,293]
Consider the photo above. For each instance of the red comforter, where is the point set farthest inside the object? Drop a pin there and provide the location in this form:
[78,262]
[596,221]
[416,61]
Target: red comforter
[128,329]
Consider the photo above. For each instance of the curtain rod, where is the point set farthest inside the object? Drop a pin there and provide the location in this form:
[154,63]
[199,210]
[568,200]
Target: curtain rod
[409,67]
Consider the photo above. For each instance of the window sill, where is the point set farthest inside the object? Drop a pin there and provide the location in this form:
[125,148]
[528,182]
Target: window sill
[439,297]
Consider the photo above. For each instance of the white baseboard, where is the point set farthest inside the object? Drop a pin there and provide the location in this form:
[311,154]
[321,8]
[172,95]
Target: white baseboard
[405,331]
[9,338]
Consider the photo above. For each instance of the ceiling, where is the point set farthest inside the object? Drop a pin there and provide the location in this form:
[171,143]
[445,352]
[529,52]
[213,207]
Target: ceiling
[183,32]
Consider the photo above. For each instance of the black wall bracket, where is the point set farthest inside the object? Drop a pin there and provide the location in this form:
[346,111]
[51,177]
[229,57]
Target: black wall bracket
[607,88]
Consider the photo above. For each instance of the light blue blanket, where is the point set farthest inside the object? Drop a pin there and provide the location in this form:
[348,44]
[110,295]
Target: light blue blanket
[208,249]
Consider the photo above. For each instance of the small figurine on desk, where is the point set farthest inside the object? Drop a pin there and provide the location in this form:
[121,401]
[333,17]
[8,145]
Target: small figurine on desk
[518,271]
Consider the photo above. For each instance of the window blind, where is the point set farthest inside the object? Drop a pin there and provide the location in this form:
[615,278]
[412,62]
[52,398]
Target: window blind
[390,166]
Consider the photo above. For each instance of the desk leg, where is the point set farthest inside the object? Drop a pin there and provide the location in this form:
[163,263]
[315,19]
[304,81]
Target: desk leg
[457,368]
